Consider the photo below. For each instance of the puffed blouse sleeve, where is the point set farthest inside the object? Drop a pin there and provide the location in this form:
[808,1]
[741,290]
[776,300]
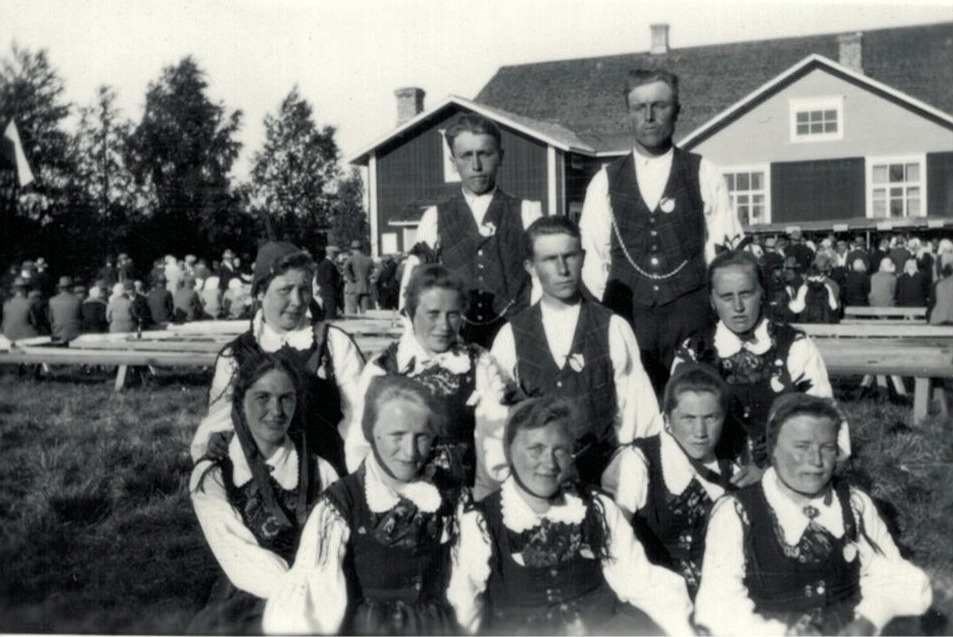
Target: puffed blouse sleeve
[890,586]
[470,570]
[312,596]
[219,416]
[248,566]
[657,591]
[723,604]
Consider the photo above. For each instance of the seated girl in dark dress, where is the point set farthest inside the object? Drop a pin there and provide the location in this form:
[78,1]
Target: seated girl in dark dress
[374,555]
[540,557]
[801,552]
[252,502]
[667,484]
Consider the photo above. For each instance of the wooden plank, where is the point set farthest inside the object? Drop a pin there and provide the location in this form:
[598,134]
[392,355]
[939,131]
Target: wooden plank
[120,377]
[860,310]
[877,329]
[921,399]
[883,322]
[66,356]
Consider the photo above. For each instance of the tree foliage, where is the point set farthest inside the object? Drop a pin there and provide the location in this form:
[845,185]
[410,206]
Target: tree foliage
[293,175]
[349,219]
[31,94]
[185,146]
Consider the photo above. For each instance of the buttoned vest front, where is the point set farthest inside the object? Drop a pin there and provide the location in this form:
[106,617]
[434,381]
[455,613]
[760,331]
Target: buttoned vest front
[590,385]
[657,255]
[491,267]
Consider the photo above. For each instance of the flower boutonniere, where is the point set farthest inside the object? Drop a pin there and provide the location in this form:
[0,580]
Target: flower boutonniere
[488,229]
[577,362]
[666,204]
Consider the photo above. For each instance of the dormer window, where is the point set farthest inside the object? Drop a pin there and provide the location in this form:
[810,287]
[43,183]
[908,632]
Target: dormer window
[817,119]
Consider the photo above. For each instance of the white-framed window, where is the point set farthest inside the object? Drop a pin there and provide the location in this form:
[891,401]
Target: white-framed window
[817,119]
[896,187]
[450,174]
[389,243]
[750,192]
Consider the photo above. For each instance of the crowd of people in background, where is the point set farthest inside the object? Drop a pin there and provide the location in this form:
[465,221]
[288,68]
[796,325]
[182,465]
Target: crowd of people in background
[40,301]
[813,281]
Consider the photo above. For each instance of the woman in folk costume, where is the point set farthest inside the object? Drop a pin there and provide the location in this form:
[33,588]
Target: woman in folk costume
[252,502]
[802,552]
[375,553]
[284,320]
[667,484]
[462,377]
[758,357]
[542,557]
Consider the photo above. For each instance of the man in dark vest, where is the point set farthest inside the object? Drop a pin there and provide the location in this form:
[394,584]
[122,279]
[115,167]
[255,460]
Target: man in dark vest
[329,282]
[650,223]
[477,234]
[570,346]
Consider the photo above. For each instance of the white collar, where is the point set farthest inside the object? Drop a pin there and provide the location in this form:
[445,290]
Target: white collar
[728,344]
[382,498]
[283,464]
[518,516]
[645,160]
[470,198]
[790,515]
[678,472]
[561,311]
[272,340]
[413,358]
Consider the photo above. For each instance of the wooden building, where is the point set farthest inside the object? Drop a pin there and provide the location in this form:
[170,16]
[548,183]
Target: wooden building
[821,132]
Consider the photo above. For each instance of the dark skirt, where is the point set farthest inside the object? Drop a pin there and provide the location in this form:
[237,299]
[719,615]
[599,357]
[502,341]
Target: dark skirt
[397,617]
[229,611]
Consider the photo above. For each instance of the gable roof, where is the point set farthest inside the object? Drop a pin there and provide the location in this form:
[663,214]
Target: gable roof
[585,95]
[792,75]
[549,132]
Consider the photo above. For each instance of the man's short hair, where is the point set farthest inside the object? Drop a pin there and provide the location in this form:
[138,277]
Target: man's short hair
[475,124]
[640,77]
[545,226]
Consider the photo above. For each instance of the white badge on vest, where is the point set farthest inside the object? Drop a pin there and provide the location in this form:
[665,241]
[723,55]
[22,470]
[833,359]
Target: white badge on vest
[666,204]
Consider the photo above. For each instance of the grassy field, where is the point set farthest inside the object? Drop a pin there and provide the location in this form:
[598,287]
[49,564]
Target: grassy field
[97,534]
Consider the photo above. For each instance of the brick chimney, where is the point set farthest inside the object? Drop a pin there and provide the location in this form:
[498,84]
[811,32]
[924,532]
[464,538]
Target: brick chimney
[851,51]
[659,39]
[410,103]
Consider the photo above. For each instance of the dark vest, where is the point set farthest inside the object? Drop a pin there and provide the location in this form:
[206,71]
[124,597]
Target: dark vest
[592,388]
[454,449]
[672,527]
[780,582]
[322,400]
[247,500]
[491,267]
[394,563]
[668,247]
[542,599]
[751,392]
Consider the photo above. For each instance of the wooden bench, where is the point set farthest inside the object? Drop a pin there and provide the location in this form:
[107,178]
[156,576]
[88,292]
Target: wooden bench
[924,352]
[188,345]
[855,312]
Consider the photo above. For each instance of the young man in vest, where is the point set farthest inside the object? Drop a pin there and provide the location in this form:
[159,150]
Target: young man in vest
[570,346]
[477,234]
[650,223]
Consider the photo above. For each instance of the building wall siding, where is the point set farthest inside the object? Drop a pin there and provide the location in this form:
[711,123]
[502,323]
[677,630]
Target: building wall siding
[940,184]
[873,126]
[411,174]
[817,190]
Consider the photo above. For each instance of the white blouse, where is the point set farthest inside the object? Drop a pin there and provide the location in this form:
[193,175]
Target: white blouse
[656,590]
[312,597]
[890,586]
[247,565]
[412,358]
[344,353]
[627,476]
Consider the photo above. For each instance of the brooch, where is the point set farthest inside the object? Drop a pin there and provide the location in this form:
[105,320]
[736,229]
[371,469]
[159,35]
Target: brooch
[666,204]
[577,362]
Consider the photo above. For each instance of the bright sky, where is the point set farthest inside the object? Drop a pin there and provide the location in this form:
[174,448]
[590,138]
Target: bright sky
[348,56]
